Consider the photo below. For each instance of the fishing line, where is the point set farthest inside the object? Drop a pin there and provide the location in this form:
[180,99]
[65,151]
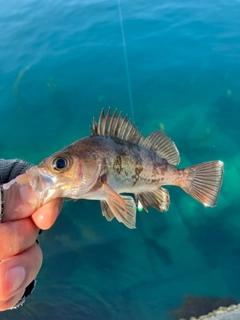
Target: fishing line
[126,61]
[141,224]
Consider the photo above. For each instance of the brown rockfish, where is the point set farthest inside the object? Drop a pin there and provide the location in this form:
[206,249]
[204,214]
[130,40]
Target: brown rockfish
[117,159]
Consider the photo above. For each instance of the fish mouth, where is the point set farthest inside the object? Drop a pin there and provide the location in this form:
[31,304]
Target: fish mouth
[43,184]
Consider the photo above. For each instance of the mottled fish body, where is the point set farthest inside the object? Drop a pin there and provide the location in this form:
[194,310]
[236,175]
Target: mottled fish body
[126,166]
[117,159]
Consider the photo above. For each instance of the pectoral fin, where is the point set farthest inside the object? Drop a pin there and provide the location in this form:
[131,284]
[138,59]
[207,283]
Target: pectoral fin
[158,199]
[123,208]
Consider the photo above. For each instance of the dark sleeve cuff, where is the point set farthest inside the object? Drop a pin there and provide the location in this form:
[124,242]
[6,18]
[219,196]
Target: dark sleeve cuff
[29,289]
[10,169]
[1,203]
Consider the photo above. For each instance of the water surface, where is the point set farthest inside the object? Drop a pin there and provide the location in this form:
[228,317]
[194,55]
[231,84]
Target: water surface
[60,63]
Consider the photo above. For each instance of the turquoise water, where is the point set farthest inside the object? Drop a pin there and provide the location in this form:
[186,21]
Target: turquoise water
[60,63]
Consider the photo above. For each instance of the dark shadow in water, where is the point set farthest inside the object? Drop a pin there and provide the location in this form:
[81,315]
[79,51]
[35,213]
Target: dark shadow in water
[140,300]
[210,238]
[159,250]
[225,112]
[211,241]
[83,309]
[102,257]
[231,271]
[45,123]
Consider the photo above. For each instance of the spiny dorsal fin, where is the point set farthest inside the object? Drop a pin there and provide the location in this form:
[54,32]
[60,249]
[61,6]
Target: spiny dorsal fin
[163,146]
[115,126]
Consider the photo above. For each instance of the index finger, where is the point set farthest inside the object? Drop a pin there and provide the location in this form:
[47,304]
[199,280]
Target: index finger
[21,202]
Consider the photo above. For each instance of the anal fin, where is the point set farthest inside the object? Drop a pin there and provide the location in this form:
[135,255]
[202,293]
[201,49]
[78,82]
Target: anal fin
[123,208]
[106,211]
[158,199]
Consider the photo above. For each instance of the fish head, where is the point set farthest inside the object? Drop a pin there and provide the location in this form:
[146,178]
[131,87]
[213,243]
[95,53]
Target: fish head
[60,175]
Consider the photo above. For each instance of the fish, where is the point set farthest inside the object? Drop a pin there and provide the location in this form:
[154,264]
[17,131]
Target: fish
[116,161]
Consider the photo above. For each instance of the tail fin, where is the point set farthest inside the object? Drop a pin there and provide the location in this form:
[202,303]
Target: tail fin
[204,182]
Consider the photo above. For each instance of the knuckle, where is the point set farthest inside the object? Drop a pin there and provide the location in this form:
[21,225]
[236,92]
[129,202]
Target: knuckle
[38,256]
[13,245]
[16,236]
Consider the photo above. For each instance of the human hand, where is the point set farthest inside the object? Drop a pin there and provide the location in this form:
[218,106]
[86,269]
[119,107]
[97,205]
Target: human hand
[20,255]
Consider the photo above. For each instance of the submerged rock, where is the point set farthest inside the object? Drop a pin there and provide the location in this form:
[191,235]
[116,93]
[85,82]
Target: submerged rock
[197,306]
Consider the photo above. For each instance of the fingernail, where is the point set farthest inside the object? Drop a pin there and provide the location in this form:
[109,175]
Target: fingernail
[14,278]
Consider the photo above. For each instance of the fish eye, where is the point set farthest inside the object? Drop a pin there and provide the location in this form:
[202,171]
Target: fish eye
[60,163]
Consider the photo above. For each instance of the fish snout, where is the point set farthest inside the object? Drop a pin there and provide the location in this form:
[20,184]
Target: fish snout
[41,182]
